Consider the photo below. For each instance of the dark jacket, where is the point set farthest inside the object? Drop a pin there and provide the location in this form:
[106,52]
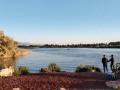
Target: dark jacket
[112,61]
[104,61]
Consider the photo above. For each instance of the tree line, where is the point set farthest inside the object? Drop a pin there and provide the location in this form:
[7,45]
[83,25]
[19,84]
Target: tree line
[95,45]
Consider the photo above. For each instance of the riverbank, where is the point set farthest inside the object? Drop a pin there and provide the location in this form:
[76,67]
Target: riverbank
[53,81]
[23,52]
[19,52]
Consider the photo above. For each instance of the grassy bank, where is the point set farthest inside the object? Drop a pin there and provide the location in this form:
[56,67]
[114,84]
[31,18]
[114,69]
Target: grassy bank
[23,52]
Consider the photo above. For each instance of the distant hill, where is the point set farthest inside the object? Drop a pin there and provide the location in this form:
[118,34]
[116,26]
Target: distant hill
[24,43]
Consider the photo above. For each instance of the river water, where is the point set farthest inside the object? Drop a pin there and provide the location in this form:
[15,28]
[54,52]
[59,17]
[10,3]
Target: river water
[67,58]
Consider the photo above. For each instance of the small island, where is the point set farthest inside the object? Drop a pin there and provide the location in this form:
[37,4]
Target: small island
[9,47]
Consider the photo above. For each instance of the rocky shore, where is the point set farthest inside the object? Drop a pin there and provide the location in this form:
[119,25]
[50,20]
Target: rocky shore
[53,81]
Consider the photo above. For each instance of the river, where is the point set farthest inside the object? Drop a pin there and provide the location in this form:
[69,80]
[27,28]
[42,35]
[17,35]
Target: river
[67,58]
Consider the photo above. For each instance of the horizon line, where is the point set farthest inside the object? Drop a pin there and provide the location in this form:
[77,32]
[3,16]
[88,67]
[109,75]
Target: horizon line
[29,43]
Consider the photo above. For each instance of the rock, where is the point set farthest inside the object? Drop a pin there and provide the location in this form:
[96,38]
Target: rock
[92,70]
[7,71]
[61,89]
[113,84]
[16,89]
[85,70]
[45,70]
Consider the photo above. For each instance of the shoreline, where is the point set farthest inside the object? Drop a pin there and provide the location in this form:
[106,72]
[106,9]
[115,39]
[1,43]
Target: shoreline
[23,52]
[20,52]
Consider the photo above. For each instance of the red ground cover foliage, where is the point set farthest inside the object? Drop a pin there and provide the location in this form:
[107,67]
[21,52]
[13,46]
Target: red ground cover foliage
[52,81]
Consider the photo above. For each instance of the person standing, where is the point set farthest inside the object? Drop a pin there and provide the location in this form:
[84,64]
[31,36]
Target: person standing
[104,62]
[112,60]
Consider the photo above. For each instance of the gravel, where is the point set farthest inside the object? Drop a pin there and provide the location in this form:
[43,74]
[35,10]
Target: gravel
[53,81]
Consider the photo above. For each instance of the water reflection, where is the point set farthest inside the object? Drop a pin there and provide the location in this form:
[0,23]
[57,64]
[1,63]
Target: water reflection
[6,62]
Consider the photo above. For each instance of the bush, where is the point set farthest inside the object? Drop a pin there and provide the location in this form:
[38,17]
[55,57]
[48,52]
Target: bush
[97,69]
[23,70]
[87,68]
[16,72]
[54,67]
[8,47]
[45,70]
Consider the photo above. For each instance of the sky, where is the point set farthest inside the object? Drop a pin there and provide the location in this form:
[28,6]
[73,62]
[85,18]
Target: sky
[61,21]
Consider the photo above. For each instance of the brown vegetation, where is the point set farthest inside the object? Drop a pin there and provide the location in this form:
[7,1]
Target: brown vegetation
[9,47]
[24,52]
